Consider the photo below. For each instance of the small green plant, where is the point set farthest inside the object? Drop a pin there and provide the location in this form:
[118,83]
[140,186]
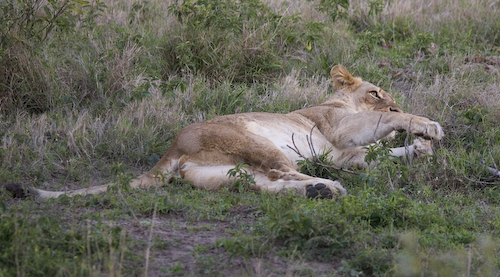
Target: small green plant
[285,221]
[335,9]
[376,7]
[349,270]
[421,41]
[245,246]
[122,179]
[313,167]
[386,166]
[292,225]
[176,269]
[368,40]
[142,91]
[244,180]
[33,22]
[476,114]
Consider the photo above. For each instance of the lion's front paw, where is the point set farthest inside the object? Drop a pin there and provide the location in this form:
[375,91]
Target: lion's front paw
[434,131]
[427,129]
[325,190]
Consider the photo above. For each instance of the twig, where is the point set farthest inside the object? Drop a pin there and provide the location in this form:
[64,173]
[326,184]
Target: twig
[479,182]
[390,180]
[492,160]
[407,139]
[494,171]
[376,128]
[315,159]
[310,143]
[50,25]
[295,149]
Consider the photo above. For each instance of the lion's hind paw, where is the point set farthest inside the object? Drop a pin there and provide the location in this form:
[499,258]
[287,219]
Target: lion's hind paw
[324,190]
[319,190]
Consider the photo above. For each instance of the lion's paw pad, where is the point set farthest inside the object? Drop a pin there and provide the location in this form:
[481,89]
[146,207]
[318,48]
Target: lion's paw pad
[318,191]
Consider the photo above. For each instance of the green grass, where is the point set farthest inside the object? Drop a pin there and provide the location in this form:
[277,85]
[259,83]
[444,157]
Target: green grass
[98,93]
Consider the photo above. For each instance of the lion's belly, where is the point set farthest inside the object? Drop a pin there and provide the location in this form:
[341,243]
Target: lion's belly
[287,134]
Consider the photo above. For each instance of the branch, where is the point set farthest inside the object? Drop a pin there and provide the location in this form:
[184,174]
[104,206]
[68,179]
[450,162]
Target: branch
[407,139]
[478,182]
[50,24]
[494,171]
[376,128]
[315,159]
[295,148]
[310,143]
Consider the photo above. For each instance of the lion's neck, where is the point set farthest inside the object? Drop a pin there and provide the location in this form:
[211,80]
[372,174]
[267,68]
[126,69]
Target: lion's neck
[327,116]
[342,101]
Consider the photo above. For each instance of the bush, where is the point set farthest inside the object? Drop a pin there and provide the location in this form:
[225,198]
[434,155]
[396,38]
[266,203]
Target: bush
[241,41]
[25,28]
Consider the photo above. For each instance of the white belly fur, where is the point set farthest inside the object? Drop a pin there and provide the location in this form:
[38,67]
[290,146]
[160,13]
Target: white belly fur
[281,135]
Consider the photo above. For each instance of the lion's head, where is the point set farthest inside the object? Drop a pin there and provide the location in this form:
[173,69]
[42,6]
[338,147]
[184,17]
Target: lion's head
[364,95]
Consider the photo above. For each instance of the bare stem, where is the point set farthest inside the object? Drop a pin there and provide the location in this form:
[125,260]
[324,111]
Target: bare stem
[376,128]
[315,160]
[407,142]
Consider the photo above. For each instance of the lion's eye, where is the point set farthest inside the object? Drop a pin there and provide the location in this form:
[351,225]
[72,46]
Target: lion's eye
[375,94]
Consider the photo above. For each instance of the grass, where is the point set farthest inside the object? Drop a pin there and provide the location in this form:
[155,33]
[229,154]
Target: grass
[98,93]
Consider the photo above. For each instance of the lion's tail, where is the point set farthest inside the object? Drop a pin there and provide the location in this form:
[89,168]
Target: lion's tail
[157,176]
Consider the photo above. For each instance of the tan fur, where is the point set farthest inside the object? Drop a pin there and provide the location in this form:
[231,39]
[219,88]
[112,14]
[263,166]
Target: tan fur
[358,114]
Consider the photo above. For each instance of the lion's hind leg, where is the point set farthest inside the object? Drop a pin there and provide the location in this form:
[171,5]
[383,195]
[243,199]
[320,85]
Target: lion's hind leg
[302,184]
[214,177]
[209,177]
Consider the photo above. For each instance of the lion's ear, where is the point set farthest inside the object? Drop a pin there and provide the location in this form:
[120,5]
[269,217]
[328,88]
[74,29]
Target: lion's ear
[341,78]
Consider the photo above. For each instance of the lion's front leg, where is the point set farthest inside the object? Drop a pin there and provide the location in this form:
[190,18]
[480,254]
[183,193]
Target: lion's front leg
[364,128]
[355,157]
[420,147]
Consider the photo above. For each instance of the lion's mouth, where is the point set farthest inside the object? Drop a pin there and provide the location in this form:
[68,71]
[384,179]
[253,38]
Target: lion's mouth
[396,110]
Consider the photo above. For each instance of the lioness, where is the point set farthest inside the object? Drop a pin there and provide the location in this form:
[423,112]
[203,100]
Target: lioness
[358,114]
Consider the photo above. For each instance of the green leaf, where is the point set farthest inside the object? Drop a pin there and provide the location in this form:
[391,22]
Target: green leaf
[75,9]
[81,2]
[48,12]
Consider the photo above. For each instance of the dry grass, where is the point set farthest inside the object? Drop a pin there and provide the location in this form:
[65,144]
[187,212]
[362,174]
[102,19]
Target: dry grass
[433,14]
[23,78]
[306,9]
[68,140]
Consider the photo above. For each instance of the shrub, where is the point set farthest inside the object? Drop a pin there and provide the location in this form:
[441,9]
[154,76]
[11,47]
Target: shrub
[241,41]
[25,27]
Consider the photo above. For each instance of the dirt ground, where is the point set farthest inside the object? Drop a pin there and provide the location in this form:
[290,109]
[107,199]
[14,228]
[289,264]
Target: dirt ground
[183,248]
